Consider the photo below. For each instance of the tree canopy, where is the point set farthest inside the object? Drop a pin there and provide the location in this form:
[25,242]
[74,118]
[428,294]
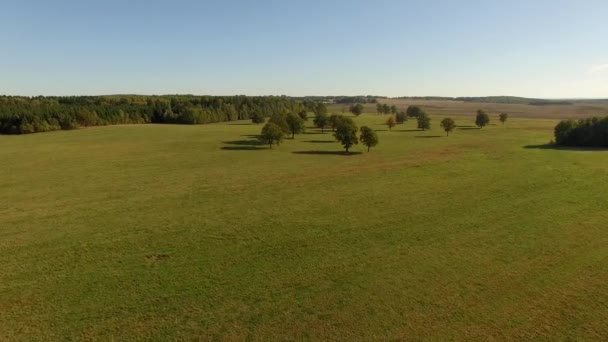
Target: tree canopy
[424,122]
[295,123]
[346,132]
[448,125]
[368,137]
[482,119]
[271,134]
[357,109]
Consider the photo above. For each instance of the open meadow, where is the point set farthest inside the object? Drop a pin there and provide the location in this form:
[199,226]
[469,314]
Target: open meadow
[198,232]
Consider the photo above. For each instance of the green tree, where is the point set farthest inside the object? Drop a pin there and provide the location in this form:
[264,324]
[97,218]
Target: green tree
[424,122]
[401,117]
[393,109]
[386,108]
[346,133]
[448,125]
[482,119]
[414,111]
[333,120]
[271,134]
[257,118]
[390,123]
[281,121]
[321,121]
[356,109]
[503,117]
[379,108]
[295,123]
[368,137]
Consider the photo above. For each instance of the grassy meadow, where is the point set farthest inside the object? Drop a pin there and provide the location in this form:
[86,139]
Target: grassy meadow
[170,232]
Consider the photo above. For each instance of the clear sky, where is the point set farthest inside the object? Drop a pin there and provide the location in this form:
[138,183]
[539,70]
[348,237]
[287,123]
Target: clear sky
[534,48]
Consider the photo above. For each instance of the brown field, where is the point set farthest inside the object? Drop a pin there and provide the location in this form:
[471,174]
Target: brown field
[577,110]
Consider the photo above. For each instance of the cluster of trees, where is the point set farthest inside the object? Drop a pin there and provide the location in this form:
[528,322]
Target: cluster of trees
[345,129]
[22,115]
[590,132]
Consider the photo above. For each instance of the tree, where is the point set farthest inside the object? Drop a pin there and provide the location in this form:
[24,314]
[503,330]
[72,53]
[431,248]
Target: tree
[424,122]
[281,121]
[503,117]
[333,120]
[271,134]
[414,111]
[386,108]
[295,123]
[482,119]
[257,118]
[303,114]
[401,117]
[379,108]
[321,121]
[368,137]
[356,109]
[390,123]
[448,125]
[393,109]
[346,133]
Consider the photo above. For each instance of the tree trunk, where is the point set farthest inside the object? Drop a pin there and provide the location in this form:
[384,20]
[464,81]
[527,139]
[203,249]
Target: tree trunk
[368,148]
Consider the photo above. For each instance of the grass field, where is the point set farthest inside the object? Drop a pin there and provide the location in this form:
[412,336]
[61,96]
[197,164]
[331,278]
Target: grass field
[195,232]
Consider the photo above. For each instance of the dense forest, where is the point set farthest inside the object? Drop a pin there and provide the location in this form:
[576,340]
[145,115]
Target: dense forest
[23,115]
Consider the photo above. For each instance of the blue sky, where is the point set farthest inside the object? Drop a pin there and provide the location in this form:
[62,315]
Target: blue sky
[540,48]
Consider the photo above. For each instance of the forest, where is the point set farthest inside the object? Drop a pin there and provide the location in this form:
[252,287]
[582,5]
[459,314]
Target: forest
[24,115]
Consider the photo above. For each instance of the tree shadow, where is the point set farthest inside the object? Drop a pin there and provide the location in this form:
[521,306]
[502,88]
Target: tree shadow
[566,148]
[243,148]
[468,127]
[314,133]
[428,136]
[320,141]
[244,142]
[332,153]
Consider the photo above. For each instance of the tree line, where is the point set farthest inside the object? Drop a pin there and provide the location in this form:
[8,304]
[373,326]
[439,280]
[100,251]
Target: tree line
[23,115]
[590,132]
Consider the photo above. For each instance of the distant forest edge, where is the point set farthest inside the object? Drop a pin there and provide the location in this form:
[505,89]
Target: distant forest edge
[23,115]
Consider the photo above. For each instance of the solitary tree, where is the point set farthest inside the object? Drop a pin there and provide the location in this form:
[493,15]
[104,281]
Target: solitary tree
[368,137]
[448,125]
[401,117]
[424,122]
[390,123]
[503,117]
[271,134]
[346,133]
[482,119]
[356,109]
[321,120]
[295,123]
[379,108]
[386,108]
[413,111]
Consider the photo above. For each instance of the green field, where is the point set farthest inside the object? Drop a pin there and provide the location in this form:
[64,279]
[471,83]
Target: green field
[195,232]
